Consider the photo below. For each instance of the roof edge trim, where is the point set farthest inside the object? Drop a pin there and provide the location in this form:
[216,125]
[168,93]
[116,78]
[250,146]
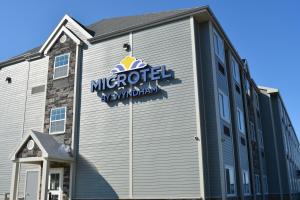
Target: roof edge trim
[65,19]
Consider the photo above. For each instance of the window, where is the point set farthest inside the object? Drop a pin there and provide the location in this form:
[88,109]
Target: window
[241,122]
[243,141]
[224,106]
[230,180]
[221,68]
[235,70]
[257,100]
[266,184]
[61,66]
[261,139]
[247,85]
[57,120]
[246,182]
[257,184]
[226,131]
[252,130]
[237,88]
[219,46]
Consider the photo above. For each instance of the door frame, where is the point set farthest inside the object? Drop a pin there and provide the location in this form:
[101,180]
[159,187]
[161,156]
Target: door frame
[39,181]
[61,179]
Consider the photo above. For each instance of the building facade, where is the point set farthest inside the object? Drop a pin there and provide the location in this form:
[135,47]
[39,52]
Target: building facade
[158,106]
[282,140]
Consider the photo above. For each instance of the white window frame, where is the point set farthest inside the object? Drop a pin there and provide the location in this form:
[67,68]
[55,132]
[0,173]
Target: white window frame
[257,184]
[231,169]
[65,120]
[235,70]
[222,109]
[218,46]
[61,66]
[241,120]
[246,180]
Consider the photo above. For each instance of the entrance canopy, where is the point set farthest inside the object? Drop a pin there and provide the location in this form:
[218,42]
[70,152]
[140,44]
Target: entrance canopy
[42,149]
[39,146]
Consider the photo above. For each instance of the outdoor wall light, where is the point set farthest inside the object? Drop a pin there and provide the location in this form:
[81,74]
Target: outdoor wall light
[8,79]
[126,47]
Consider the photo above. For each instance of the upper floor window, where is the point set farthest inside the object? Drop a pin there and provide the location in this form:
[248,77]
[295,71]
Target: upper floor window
[219,46]
[247,85]
[57,120]
[235,70]
[265,184]
[257,184]
[224,106]
[246,182]
[252,131]
[241,121]
[230,180]
[261,139]
[61,66]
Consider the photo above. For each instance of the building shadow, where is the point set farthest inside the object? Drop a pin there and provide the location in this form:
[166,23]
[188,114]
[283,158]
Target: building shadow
[90,183]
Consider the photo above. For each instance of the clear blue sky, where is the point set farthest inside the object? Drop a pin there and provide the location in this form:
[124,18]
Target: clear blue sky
[266,32]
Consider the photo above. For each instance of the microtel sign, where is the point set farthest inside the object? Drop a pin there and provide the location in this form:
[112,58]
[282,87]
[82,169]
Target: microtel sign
[130,72]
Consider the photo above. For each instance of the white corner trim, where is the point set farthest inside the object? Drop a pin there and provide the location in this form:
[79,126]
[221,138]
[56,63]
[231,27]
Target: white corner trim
[62,22]
[62,30]
[131,131]
[197,107]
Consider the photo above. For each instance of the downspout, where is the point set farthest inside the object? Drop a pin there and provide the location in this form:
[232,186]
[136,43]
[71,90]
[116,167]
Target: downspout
[76,119]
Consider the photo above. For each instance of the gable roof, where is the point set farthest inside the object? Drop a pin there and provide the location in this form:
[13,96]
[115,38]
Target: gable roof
[50,148]
[107,28]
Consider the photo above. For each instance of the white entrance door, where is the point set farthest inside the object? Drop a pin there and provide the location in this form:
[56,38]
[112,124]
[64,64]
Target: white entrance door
[32,184]
[55,186]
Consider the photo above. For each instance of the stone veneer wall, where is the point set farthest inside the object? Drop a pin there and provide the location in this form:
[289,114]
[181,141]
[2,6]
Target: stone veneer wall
[60,92]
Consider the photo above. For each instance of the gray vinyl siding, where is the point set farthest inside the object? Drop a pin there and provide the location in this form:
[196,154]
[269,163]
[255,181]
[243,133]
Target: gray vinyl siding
[12,105]
[15,105]
[35,103]
[163,158]
[165,153]
[209,109]
[280,146]
[35,108]
[103,160]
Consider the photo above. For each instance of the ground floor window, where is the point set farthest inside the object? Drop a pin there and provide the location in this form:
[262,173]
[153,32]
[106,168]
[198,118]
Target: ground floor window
[246,182]
[257,184]
[265,184]
[230,180]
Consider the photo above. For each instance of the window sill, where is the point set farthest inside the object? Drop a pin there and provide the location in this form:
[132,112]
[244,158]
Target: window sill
[54,79]
[57,133]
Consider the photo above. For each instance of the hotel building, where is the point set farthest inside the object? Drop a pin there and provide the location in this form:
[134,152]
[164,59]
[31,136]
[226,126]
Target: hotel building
[156,106]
